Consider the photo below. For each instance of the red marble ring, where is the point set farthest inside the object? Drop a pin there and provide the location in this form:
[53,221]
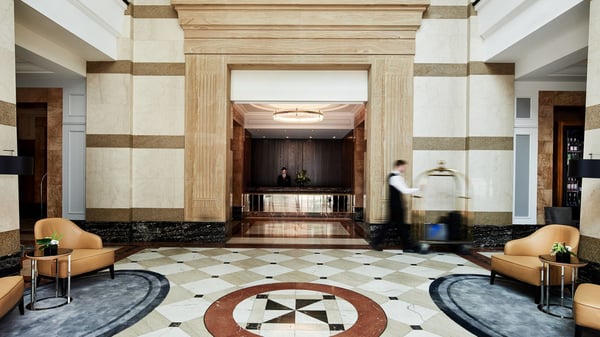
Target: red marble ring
[219,321]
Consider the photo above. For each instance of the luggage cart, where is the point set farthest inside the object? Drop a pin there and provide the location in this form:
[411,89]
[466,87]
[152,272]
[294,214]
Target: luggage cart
[450,226]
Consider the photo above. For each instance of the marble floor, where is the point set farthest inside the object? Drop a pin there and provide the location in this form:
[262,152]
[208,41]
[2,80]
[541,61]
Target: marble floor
[199,276]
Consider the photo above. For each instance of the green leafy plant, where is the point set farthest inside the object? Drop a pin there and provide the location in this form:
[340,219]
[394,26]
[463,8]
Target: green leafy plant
[561,248]
[49,240]
[302,178]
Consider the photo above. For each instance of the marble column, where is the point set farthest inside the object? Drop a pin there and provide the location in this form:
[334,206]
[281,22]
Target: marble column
[590,213]
[9,184]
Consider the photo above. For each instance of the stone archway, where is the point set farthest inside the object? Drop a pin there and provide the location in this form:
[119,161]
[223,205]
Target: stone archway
[377,35]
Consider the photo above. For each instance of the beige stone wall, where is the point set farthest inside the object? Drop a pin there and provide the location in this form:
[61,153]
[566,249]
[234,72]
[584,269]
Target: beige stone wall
[135,121]
[9,184]
[590,196]
[463,115]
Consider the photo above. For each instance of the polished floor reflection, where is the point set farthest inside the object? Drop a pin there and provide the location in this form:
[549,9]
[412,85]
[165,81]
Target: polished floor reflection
[317,233]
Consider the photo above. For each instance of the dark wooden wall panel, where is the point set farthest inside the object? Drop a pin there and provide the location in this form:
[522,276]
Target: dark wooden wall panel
[322,159]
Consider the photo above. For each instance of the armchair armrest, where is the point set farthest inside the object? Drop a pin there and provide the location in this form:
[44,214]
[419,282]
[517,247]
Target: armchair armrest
[525,246]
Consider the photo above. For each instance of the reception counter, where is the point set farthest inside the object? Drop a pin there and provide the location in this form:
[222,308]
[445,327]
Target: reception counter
[298,200]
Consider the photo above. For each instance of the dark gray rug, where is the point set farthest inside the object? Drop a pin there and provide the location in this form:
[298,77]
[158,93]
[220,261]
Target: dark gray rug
[101,306]
[505,308]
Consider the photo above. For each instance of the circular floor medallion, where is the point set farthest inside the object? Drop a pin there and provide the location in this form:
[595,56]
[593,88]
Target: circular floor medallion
[320,309]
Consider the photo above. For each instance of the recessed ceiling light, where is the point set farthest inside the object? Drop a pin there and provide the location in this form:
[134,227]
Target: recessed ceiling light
[310,137]
[333,137]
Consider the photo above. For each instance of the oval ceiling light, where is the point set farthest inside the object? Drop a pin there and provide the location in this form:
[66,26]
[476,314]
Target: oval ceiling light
[298,116]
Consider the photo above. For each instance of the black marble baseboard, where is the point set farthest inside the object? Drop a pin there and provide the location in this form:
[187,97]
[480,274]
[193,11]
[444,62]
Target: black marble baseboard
[127,232]
[497,236]
[10,264]
[359,214]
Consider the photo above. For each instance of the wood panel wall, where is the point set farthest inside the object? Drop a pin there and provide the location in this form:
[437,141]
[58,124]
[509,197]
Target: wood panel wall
[327,162]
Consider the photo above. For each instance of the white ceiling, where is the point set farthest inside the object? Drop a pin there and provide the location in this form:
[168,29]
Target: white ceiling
[338,120]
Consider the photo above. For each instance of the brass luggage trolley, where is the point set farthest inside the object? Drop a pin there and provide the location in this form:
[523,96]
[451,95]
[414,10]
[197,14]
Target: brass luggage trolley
[449,227]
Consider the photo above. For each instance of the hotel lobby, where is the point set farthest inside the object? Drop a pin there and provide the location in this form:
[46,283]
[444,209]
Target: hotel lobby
[221,168]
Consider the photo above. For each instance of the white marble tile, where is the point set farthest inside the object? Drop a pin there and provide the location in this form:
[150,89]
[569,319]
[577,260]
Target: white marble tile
[469,270]
[187,257]
[271,270]
[184,310]
[362,258]
[372,271]
[422,271]
[384,288]
[407,313]
[207,286]
[321,271]
[318,258]
[451,259]
[145,256]
[421,333]
[405,258]
[130,265]
[220,269]
[171,268]
[167,332]
[275,258]
[232,257]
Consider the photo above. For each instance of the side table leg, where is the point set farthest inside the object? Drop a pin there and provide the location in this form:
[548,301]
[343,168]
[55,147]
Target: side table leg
[56,279]
[548,287]
[562,286]
[33,283]
[542,280]
[69,279]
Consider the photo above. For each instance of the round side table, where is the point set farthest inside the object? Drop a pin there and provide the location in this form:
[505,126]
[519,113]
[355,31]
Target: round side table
[545,306]
[38,255]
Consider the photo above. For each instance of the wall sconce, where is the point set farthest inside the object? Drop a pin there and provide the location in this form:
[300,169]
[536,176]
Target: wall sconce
[585,168]
[19,165]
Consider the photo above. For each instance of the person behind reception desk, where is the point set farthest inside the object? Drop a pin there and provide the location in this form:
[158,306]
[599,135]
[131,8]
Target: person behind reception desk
[398,187]
[283,179]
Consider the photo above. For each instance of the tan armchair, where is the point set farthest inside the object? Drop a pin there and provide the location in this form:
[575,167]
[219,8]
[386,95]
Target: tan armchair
[88,252]
[11,294]
[521,261]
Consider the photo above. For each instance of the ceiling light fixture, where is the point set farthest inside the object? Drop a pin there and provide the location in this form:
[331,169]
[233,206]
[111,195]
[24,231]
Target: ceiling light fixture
[298,116]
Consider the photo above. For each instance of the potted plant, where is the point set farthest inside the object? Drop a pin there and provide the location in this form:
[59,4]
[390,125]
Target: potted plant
[49,244]
[562,252]
[302,178]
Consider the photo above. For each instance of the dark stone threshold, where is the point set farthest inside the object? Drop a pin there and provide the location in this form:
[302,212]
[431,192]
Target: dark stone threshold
[155,231]
[10,264]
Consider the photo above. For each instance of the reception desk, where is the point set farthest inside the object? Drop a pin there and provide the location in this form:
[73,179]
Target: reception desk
[298,200]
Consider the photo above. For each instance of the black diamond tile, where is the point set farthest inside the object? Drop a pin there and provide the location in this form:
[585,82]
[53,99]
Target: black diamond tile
[269,277]
[272,305]
[432,278]
[300,303]
[319,264]
[366,264]
[358,253]
[321,315]
[253,326]
[329,297]
[154,251]
[460,264]
[416,327]
[132,261]
[317,252]
[236,252]
[275,252]
[226,262]
[179,261]
[393,298]
[413,264]
[215,276]
[323,277]
[174,324]
[336,327]
[261,296]
[377,278]
[273,263]
[289,318]
[198,296]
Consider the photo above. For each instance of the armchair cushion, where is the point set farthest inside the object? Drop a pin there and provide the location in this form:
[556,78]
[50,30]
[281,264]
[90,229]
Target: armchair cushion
[11,294]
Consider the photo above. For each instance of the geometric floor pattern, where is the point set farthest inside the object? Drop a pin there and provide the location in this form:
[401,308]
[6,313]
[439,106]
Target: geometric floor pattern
[398,282]
[284,312]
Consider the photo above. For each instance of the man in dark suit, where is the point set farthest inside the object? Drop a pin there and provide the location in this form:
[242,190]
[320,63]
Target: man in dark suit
[283,179]
[397,188]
